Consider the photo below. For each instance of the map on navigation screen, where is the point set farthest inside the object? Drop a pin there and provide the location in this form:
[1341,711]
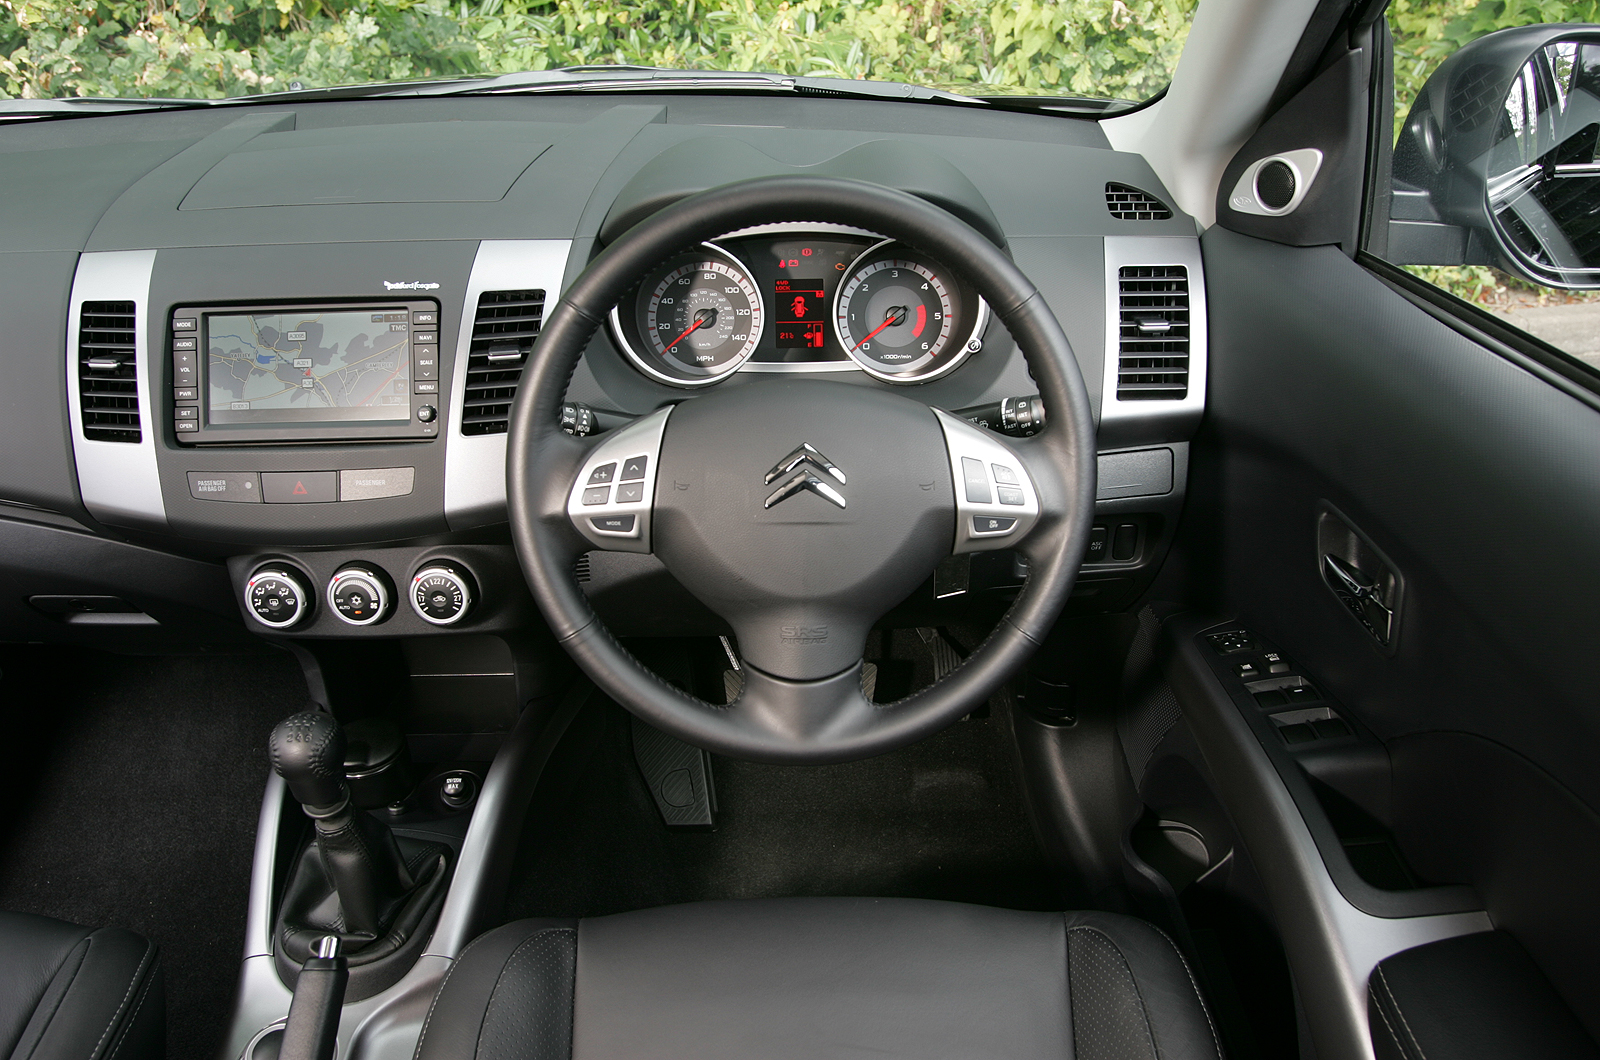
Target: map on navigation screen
[320,365]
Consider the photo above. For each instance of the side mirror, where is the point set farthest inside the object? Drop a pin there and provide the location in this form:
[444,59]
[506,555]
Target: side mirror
[1496,164]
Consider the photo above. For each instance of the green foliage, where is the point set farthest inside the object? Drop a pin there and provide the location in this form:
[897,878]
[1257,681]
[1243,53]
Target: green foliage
[1427,32]
[211,48]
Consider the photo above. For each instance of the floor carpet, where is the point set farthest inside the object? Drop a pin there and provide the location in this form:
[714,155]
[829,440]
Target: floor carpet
[132,799]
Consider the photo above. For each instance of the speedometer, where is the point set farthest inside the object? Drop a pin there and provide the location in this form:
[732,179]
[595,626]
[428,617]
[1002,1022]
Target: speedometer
[697,319]
[903,318]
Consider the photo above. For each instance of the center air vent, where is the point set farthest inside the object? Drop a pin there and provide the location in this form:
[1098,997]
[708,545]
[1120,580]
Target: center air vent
[1128,203]
[108,372]
[502,334]
[1153,346]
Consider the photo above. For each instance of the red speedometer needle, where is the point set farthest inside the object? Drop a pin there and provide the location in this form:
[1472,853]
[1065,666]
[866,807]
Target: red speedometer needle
[894,316]
[691,330]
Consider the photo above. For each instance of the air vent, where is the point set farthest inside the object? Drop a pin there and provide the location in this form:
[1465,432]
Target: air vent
[580,569]
[108,372]
[502,334]
[1130,204]
[1153,347]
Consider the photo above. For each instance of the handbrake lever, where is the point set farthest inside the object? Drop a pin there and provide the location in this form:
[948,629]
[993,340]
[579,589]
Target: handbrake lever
[312,1031]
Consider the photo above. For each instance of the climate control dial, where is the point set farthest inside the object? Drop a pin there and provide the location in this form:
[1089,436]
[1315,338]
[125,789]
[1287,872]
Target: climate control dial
[276,596]
[359,596]
[442,593]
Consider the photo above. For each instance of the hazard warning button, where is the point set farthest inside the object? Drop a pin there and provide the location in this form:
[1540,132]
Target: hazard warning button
[299,487]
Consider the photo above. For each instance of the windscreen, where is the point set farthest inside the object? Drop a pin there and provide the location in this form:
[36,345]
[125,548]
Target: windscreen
[1102,49]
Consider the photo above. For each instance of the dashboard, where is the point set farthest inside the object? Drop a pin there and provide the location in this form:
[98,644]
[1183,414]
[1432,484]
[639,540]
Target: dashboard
[242,345]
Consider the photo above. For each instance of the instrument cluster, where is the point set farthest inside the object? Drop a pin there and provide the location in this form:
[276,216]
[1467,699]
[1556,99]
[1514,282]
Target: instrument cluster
[779,299]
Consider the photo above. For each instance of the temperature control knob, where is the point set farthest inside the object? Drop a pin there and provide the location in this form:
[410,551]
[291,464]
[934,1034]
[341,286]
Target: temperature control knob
[277,597]
[442,593]
[359,596]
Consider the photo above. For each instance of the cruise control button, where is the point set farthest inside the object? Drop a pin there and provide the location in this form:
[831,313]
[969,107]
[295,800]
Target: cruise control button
[992,524]
[612,524]
[596,494]
[1010,495]
[976,479]
[1004,475]
[633,467]
[630,492]
[299,487]
[603,473]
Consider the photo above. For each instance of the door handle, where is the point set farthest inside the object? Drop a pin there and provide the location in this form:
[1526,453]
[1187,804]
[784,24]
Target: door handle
[1362,595]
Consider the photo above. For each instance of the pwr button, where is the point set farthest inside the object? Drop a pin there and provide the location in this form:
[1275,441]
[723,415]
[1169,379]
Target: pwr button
[299,487]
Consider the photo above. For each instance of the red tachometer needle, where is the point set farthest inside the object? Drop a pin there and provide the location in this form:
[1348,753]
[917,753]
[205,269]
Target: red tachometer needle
[692,329]
[896,315]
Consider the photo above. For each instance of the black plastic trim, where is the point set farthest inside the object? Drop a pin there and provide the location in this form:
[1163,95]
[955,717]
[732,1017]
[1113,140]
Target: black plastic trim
[1548,362]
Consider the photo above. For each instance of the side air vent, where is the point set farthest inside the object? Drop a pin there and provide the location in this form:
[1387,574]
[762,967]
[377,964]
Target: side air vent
[108,372]
[1153,346]
[1128,203]
[502,334]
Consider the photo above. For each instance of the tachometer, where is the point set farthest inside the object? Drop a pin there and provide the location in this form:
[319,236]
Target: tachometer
[903,318]
[696,320]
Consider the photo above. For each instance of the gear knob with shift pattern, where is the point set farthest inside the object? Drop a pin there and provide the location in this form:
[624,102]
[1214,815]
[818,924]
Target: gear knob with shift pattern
[358,853]
[308,753]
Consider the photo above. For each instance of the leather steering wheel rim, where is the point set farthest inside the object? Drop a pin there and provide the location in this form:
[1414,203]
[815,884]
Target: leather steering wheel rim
[777,719]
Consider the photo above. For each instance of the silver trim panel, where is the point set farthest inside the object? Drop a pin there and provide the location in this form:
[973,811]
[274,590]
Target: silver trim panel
[1246,197]
[1146,422]
[964,441]
[120,482]
[475,466]
[642,438]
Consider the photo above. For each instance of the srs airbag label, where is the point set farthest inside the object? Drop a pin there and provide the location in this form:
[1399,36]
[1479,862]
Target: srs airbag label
[803,634]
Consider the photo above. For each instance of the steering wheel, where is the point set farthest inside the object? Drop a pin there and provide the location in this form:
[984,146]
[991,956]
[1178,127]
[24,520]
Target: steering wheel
[800,510]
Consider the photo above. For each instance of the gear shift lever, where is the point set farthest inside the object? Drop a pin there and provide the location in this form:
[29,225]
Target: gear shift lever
[358,853]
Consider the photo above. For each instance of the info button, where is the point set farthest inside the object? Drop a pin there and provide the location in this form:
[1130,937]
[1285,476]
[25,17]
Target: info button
[299,487]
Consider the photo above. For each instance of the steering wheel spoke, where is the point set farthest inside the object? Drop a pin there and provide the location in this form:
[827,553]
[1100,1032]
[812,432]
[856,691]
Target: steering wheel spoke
[997,498]
[613,494]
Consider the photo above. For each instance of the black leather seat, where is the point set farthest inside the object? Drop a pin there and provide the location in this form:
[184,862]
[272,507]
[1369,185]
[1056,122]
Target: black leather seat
[820,978]
[71,993]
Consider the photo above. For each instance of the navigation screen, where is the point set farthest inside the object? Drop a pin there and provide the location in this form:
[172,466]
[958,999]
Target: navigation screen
[309,365]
